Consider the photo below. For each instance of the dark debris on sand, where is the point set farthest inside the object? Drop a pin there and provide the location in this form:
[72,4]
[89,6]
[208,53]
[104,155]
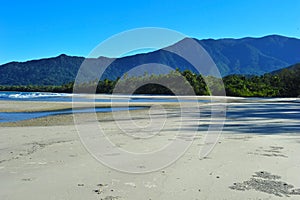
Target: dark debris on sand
[268,183]
[110,198]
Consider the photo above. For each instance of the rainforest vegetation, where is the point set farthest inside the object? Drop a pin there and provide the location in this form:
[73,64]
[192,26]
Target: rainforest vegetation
[282,83]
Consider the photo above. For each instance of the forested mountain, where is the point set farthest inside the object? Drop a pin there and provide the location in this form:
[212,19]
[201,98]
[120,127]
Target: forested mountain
[251,56]
[50,71]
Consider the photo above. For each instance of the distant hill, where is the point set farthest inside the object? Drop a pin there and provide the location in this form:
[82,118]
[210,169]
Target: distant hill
[293,69]
[252,56]
[290,79]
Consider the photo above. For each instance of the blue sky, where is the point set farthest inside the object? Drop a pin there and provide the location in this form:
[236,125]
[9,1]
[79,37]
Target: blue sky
[37,29]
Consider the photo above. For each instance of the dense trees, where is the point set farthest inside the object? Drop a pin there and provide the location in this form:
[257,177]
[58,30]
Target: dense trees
[260,86]
[283,83]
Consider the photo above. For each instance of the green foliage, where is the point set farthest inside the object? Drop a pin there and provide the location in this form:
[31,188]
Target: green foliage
[283,83]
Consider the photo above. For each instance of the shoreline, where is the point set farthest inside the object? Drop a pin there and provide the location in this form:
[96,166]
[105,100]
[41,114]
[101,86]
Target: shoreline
[35,106]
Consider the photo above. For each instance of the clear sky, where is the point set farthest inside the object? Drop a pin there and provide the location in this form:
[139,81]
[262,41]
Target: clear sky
[36,29]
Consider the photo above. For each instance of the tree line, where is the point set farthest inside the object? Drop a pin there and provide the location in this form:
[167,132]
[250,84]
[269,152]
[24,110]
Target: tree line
[284,83]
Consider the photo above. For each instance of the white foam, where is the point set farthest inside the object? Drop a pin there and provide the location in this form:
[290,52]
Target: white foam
[27,95]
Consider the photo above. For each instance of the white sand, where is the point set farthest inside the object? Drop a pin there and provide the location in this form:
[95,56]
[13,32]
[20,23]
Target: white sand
[39,162]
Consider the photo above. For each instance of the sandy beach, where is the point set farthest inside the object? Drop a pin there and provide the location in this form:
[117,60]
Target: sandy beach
[255,157]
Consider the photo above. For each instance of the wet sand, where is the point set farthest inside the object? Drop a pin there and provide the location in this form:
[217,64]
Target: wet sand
[256,157]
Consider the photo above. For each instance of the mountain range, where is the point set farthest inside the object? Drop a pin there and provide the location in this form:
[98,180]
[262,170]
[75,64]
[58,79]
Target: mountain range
[248,56]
